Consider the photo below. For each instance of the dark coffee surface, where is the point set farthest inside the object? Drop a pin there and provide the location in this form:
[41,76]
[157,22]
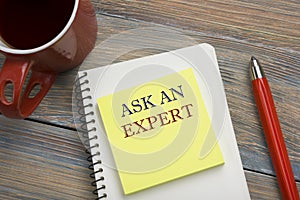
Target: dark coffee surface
[32,23]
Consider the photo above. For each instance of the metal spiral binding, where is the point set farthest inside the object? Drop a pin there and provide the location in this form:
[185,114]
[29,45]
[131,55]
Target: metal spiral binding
[85,133]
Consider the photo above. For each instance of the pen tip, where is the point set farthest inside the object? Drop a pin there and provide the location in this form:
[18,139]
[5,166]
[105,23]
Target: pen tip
[256,69]
[253,58]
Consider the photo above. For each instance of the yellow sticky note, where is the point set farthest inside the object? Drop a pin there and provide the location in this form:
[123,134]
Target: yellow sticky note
[156,131]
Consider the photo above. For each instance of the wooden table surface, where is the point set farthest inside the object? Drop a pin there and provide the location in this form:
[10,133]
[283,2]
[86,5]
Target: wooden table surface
[42,157]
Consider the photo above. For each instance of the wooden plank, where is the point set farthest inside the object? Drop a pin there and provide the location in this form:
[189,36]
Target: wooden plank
[43,162]
[281,68]
[269,23]
[263,187]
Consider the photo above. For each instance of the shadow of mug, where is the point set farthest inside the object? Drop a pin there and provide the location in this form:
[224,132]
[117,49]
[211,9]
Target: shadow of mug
[40,39]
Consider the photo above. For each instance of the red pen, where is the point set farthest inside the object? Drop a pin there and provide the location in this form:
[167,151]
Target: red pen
[273,134]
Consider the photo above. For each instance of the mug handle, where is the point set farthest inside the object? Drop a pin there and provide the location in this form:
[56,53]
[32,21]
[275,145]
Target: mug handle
[21,105]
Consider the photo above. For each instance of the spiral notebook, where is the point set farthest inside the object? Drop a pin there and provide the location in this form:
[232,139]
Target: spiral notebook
[158,127]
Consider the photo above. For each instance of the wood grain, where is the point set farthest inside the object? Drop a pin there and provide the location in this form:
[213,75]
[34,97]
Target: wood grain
[260,186]
[42,162]
[269,23]
[39,164]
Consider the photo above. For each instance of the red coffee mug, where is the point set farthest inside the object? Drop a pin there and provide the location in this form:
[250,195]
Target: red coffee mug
[43,38]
